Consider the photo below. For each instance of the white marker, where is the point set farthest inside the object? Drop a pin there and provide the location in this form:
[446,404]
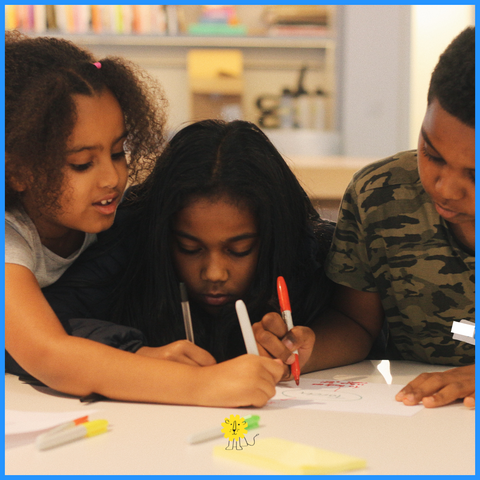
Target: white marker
[464,331]
[251,421]
[246,327]
[87,429]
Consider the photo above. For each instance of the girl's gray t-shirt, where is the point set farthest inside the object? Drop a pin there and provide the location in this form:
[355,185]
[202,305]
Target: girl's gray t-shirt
[23,247]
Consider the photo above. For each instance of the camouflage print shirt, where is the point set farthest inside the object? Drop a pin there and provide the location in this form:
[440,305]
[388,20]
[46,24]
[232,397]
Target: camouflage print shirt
[390,239]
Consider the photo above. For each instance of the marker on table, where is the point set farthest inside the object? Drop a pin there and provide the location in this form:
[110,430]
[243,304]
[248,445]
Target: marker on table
[87,429]
[287,318]
[252,422]
[246,327]
[187,317]
[65,426]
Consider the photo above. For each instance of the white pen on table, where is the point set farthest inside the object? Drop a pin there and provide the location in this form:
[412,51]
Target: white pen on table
[210,434]
[69,434]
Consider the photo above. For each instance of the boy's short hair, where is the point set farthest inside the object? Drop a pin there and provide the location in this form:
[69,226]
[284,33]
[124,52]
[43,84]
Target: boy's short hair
[453,79]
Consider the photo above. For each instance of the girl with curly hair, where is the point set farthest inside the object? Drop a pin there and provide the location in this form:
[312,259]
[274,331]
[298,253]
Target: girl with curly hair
[75,129]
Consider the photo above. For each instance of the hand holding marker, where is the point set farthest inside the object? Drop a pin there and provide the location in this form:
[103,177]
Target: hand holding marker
[287,318]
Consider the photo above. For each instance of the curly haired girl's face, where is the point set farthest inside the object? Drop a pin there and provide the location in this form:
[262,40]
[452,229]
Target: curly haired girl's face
[215,249]
[95,173]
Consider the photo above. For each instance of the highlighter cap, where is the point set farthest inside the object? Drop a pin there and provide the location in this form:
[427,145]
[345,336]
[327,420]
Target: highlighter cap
[95,427]
[283,294]
[252,421]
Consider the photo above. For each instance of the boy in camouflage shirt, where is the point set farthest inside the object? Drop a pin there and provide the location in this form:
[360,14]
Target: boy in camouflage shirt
[404,250]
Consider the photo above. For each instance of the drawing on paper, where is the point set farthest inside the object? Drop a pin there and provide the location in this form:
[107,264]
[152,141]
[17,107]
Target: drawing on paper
[321,395]
[341,396]
[326,391]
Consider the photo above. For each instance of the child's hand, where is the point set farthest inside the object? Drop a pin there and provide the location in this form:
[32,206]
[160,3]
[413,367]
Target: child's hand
[276,341]
[248,380]
[181,351]
[441,388]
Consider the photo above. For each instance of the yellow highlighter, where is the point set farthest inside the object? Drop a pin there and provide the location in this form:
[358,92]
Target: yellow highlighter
[56,438]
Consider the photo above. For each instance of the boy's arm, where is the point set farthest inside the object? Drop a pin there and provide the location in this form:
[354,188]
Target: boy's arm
[343,335]
[346,332]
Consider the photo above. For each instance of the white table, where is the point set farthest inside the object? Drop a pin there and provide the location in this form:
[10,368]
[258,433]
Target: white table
[148,439]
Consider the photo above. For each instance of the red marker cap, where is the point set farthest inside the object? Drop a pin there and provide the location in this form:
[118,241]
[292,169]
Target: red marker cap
[283,294]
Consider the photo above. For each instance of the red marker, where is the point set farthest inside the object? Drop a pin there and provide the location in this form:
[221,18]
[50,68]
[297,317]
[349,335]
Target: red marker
[287,318]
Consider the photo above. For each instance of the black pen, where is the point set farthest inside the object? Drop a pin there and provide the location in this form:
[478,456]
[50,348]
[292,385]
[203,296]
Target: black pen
[187,317]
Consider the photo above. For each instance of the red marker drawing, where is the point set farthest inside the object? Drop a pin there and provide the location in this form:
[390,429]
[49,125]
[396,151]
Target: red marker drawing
[287,318]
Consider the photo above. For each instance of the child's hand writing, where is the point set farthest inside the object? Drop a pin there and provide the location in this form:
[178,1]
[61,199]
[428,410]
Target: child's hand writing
[441,388]
[276,341]
[248,380]
[181,351]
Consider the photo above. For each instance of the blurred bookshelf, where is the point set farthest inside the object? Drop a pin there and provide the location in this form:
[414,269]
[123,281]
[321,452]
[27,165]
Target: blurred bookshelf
[277,41]
[271,21]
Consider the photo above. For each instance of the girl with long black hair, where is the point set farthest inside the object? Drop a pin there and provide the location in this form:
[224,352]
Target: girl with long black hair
[221,212]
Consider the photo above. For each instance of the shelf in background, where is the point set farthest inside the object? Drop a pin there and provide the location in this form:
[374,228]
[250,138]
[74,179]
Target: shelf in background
[197,41]
[326,177]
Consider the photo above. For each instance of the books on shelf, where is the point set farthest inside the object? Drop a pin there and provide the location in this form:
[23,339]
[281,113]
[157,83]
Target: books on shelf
[98,19]
[296,14]
[297,20]
[210,20]
[298,31]
[218,20]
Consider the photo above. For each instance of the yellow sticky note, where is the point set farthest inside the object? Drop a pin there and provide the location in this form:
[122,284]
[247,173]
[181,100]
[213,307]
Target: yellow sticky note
[291,458]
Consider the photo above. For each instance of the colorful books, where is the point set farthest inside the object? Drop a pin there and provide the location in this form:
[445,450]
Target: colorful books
[97,19]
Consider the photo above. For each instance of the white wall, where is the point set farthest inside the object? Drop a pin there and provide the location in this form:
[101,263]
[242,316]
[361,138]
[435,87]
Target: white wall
[375,44]
[387,54]
[433,28]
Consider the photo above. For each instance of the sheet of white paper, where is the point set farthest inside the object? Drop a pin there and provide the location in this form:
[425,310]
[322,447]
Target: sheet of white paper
[341,396]
[22,422]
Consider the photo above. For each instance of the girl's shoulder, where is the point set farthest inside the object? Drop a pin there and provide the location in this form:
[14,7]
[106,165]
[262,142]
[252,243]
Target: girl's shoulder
[20,232]
[17,217]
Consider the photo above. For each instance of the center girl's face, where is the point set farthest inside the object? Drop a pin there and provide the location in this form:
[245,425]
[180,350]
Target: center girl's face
[215,247]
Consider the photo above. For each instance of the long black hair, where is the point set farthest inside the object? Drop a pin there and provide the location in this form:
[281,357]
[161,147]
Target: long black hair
[204,160]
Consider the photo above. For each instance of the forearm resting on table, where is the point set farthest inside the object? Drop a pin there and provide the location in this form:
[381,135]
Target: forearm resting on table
[339,340]
[37,341]
[78,367]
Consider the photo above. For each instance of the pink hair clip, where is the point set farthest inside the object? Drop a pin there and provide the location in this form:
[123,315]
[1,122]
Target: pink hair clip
[98,65]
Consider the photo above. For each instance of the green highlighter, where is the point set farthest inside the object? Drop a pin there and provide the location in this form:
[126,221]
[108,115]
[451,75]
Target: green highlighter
[252,422]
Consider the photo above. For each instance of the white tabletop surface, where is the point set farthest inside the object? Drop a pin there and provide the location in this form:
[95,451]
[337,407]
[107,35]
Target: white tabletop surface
[149,439]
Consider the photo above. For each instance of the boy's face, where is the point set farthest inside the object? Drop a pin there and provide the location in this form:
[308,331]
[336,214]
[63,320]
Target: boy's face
[446,163]
[215,250]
